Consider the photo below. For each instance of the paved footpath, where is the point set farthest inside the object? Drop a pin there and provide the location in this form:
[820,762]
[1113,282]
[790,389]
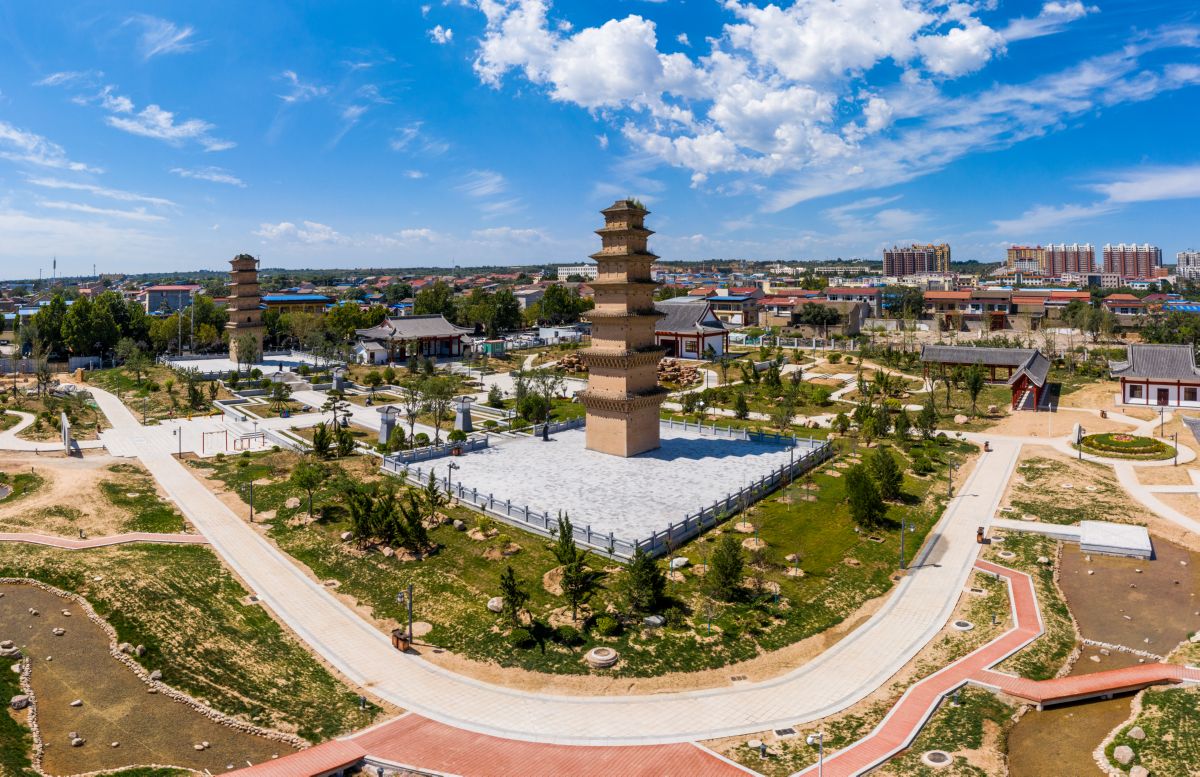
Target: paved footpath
[70,543]
[841,676]
[9,441]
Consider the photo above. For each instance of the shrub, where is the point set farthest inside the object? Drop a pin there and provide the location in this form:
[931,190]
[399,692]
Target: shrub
[607,626]
[568,635]
[420,439]
[520,638]
[457,435]
[834,358]
[275,448]
[243,464]
[922,465]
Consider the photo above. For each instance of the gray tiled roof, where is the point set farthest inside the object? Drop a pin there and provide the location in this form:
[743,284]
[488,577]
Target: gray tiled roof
[1156,361]
[967,354]
[684,317]
[1036,369]
[412,328]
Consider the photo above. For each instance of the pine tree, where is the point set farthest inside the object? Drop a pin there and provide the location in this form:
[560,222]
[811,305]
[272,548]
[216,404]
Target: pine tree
[564,549]
[514,595]
[867,509]
[741,408]
[724,575]
[902,426]
[974,381]
[888,477]
[644,584]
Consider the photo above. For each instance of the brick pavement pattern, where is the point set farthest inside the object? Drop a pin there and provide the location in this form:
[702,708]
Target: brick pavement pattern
[69,543]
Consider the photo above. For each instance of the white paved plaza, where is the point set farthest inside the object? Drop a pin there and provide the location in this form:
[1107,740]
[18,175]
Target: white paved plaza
[269,364]
[632,498]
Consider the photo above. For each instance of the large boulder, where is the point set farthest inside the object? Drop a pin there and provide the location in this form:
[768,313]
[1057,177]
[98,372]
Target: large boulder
[1139,771]
[1123,754]
[496,604]
[19,702]
[1137,732]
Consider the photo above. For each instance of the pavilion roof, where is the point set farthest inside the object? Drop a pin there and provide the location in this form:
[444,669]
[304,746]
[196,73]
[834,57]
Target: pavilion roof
[1156,361]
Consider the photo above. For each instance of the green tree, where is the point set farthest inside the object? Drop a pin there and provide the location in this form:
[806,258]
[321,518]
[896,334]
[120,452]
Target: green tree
[579,582]
[644,584]
[49,324]
[437,297]
[741,408]
[308,477]
[438,393]
[975,382]
[374,380]
[902,426]
[867,508]
[927,419]
[280,393]
[495,397]
[841,424]
[888,477]
[513,595]
[322,441]
[724,576]
[564,549]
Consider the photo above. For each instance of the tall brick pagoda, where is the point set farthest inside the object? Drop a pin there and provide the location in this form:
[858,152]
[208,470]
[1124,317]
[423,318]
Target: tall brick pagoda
[244,305]
[623,395]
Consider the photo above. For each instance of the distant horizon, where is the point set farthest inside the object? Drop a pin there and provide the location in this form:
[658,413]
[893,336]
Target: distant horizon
[473,133]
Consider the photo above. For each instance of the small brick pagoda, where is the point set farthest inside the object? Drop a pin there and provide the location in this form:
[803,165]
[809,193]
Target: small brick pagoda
[623,396]
[245,304]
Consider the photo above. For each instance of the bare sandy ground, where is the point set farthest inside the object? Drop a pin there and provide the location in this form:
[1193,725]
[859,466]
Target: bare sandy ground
[1101,396]
[70,499]
[1165,476]
[1051,425]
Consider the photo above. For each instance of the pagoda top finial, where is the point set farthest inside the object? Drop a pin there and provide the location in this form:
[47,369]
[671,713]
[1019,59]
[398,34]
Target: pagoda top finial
[627,204]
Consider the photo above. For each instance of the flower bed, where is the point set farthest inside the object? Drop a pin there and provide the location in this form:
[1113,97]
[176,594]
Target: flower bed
[1128,446]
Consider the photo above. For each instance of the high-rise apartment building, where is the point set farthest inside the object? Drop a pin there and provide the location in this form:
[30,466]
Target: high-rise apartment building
[1133,261]
[1187,264]
[1061,258]
[916,259]
[1025,254]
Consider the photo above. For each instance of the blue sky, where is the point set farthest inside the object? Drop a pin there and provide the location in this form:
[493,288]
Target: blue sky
[172,136]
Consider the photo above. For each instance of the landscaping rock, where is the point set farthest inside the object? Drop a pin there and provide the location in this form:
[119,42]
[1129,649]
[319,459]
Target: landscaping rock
[655,621]
[1139,771]
[1123,754]
[679,562]
[1043,560]
[1137,732]
[292,503]
[140,650]
[496,604]
[19,702]
[9,650]
[156,675]
[77,742]
[125,647]
[460,525]
[387,551]
[115,744]
[960,419]
[346,536]
[197,747]
[77,703]
[58,632]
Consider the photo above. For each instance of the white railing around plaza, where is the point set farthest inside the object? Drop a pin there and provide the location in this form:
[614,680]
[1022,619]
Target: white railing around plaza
[657,544]
[394,462]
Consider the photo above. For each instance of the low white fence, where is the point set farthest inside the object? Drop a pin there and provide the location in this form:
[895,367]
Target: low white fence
[394,462]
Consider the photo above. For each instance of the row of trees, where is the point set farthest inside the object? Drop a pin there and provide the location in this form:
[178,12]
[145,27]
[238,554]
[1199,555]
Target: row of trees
[390,514]
[498,311]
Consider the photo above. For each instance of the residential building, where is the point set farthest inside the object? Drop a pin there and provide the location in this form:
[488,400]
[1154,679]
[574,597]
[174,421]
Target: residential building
[871,297]
[736,309]
[585,271]
[1126,307]
[1062,258]
[916,259]
[529,296]
[1024,257]
[167,299]
[1101,280]
[688,329]
[1187,264]
[1133,261]
[1158,375]
[297,303]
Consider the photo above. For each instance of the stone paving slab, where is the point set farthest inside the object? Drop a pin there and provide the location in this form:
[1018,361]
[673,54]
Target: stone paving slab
[70,543]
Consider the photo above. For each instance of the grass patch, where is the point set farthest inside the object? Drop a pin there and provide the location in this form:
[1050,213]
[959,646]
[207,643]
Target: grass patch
[979,717]
[189,612]
[1171,719]
[16,742]
[1036,491]
[147,512]
[1127,446]
[1045,656]
[21,483]
[453,585]
[149,397]
[85,418]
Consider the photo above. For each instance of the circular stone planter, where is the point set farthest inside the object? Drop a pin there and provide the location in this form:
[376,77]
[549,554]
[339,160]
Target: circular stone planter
[601,657]
[962,625]
[743,527]
[1006,554]
[937,758]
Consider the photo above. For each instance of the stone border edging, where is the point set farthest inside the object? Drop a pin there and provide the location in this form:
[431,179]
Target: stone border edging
[1099,755]
[160,687]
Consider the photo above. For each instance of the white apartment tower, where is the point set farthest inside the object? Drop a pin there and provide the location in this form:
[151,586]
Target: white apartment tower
[1187,264]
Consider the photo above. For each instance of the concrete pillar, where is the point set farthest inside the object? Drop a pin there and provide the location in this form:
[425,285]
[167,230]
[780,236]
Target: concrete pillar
[387,422]
[462,414]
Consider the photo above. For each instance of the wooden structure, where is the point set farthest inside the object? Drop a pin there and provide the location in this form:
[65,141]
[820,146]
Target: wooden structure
[689,329]
[1024,369]
[623,395]
[396,339]
[1159,376]
[244,304]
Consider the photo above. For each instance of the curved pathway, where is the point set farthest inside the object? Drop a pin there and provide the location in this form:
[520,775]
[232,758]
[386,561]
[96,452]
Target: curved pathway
[70,543]
[841,676]
[9,441]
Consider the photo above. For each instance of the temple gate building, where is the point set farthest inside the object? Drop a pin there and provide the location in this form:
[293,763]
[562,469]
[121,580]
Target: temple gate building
[623,396]
[244,305]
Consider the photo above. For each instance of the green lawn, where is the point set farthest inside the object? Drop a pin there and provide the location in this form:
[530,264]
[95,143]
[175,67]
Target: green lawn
[150,397]
[453,585]
[1171,719]
[1042,659]
[150,514]
[16,743]
[21,483]
[191,614]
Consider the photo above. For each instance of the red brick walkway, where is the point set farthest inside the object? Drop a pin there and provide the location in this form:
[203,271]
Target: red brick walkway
[420,743]
[1086,686]
[70,543]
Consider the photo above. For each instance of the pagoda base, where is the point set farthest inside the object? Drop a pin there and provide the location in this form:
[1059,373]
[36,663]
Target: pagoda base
[623,434]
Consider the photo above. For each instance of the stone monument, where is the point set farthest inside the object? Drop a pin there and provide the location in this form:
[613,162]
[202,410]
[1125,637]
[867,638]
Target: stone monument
[623,396]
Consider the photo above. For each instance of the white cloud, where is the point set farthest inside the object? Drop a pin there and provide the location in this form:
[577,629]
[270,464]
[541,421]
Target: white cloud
[300,91]
[1053,18]
[682,39]
[441,35]
[30,148]
[83,77]
[1040,218]
[211,174]
[411,138]
[99,191]
[160,36]
[510,235]
[87,240]
[310,232]
[414,174]
[818,97]
[482,183]
[154,122]
[1153,183]
[602,139]
[139,214]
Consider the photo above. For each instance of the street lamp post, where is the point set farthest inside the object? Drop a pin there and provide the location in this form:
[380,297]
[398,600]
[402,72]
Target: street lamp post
[1162,416]
[1079,443]
[1175,443]
[250,486]
[950,477]
[818,739]
[450,468]
[910,526]
[403,598]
